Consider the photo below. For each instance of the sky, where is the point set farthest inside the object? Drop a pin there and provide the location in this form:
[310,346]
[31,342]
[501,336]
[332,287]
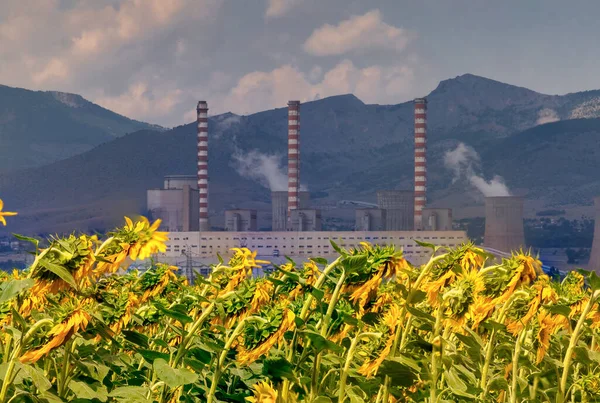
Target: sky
[152,60]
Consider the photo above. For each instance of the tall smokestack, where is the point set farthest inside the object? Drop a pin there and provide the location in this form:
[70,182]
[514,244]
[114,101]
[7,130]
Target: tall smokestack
[504,223]
[420,161]
[293,156]
[202,110]
[594,263]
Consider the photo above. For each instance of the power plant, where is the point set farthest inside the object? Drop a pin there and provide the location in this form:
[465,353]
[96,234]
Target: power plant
[594,263]
[399,218]
[504,229]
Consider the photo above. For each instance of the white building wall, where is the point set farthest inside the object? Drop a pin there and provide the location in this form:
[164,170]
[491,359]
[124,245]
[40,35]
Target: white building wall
[303,245]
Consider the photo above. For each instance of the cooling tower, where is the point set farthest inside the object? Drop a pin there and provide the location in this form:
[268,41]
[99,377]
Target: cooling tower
[504,223]
[594,263]
[279,205]
[399,209]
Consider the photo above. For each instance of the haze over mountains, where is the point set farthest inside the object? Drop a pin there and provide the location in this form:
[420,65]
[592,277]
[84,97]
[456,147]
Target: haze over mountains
[349,151]
[40,127]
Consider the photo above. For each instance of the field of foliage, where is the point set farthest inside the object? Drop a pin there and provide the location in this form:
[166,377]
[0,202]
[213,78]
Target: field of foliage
[365,327]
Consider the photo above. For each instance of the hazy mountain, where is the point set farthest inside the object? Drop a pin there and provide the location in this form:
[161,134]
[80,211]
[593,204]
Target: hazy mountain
[348,151]
[38,127]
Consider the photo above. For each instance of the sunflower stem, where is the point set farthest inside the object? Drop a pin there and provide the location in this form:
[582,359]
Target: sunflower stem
[561,395]
[434,361]
[515,366]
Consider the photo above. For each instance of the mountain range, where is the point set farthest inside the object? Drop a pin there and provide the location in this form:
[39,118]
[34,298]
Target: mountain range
[40,127]
[547,147]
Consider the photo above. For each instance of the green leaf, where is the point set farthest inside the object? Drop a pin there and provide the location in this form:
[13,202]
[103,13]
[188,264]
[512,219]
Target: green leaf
[321,343]
[426,245]
[88,391]
[354,263]
[175,314]
[150,355]
[12,288]
[371,318]
[563,310]
[336,247]
[173,377]
[27,239]
[498,383]
[322,399]
[134,394]
[60,271]
[278,368]
[594,281]
[318,294]
[136,338]
[39,379]
[320,260]
[399,373]
[420,314]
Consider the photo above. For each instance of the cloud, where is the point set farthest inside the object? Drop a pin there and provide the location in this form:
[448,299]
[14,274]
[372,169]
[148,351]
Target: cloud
[55,70]
[464,162]
[261,90]
[143,102]
[362,32]
[278,8]
[547,115]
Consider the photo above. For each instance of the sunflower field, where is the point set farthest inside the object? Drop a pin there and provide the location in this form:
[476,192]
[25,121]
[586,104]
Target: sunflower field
[365,327]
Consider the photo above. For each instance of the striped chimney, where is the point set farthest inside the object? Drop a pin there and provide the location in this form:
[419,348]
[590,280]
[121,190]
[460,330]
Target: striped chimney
[293,157]
[202,110]
[420,160]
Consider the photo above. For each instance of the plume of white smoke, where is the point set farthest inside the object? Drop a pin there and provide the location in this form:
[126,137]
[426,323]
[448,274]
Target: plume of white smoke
[266,169]
[263,168]
[223,123]
[465,163]
[547,115]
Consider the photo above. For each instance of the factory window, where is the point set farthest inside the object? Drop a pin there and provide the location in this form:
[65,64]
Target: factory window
[260,239]
[235,238]
[375,237]
[309,238]
[367,237]
[309,252]
[219,239]
[269,238]
[203,246]
[176,239]
[203,238]
[351,237]
[268,246]
[434,237]
[194,246]
[301,246]
[383,237]
[301,238]
[254,239]
[426,237]
[185,239]
[319,238]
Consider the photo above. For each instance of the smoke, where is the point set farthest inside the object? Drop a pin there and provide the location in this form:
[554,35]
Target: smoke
[265,169]
[465,163]
[224,123]
[547,115]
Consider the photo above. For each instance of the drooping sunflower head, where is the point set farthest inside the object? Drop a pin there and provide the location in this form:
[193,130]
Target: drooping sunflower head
[154,281]
[263,392]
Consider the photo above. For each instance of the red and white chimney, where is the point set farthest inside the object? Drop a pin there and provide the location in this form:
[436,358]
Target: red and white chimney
[293,157]
[202,110]
[420,160]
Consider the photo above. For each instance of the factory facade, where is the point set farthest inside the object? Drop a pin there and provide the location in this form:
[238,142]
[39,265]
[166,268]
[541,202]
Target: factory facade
[400,217]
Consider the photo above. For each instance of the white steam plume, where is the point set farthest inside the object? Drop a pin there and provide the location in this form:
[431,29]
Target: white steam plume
[263,168]
[547,115]
[465,163]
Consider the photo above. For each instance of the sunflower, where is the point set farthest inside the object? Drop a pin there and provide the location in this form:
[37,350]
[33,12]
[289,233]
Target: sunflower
[544,295]
[548,325]
[154,282]
[262,295]
[60,334]
[390,322]
[263,393]
[149,240]
[249,356]
[5,213]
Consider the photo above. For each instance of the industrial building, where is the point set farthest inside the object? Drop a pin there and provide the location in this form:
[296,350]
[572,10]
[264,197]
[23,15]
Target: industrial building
[305,220]
[240,220]
[370,219]
[177,204]
[279,207]
[594,263]
[504,229]
[437,219]
[400,217]
[399,209]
